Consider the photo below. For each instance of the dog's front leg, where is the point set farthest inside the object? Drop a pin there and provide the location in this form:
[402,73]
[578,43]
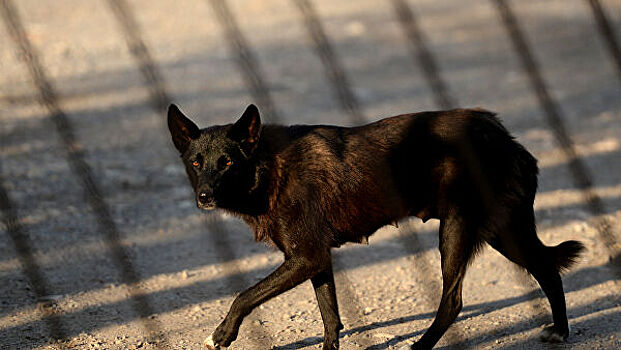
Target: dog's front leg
[325,291]
[291,273]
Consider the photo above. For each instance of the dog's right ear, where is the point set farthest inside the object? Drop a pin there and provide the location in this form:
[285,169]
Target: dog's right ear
[182,129]
[247,129]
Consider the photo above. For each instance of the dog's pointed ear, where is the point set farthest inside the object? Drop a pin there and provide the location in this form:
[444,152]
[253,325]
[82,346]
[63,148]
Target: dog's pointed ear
[247,129]
[182,129]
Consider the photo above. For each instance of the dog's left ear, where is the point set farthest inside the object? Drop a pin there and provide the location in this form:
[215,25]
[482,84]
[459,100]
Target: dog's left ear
[247,130]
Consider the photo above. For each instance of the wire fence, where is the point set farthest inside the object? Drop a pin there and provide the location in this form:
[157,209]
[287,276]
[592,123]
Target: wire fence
[251,71]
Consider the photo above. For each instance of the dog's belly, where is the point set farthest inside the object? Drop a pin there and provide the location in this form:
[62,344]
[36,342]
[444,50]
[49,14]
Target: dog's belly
[361,227]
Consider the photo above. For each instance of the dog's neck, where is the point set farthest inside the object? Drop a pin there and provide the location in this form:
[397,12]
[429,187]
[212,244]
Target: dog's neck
[256,198]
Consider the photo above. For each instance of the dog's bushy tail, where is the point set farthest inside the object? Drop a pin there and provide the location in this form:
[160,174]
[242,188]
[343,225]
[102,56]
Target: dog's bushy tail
[566,254]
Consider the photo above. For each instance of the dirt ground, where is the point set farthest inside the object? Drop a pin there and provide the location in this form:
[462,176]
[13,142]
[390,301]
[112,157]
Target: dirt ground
[126,259]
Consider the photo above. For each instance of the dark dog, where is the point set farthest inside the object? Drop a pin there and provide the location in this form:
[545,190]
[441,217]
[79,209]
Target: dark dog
[308,188]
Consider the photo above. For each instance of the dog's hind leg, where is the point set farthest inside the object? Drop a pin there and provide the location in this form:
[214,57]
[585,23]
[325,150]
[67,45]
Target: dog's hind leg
[296,269]
[325,290]
[456,248]
[520,244]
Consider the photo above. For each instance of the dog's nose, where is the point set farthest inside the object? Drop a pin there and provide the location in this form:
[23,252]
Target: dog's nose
[204,197]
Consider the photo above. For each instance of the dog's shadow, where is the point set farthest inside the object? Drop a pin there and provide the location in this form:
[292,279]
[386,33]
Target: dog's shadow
[470,311]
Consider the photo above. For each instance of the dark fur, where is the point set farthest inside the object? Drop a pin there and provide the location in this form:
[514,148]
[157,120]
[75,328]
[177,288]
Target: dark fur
[308,188]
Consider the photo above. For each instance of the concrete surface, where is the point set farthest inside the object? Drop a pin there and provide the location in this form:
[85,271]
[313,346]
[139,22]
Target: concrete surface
[389,293]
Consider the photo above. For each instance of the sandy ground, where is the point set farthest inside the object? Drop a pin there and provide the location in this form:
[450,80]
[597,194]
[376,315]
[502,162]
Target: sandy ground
[192,264]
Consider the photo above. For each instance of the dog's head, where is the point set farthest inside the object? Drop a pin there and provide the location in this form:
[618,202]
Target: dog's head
[218,159]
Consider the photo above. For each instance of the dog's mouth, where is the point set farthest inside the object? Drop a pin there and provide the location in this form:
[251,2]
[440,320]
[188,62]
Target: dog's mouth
[206,206]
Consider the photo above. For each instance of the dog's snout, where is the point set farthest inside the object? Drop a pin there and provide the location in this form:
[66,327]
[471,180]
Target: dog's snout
[204,197]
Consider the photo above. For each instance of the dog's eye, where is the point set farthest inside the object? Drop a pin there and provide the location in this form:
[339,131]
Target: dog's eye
[224,162]
[198,160]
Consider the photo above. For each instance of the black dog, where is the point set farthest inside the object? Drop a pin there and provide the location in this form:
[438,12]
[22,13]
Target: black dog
[308,188]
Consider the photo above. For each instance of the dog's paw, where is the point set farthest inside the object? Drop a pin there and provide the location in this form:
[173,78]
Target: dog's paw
[551,335]
[330,345]
[211,345]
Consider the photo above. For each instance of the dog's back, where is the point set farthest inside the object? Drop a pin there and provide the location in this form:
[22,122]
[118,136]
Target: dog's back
[356,180]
